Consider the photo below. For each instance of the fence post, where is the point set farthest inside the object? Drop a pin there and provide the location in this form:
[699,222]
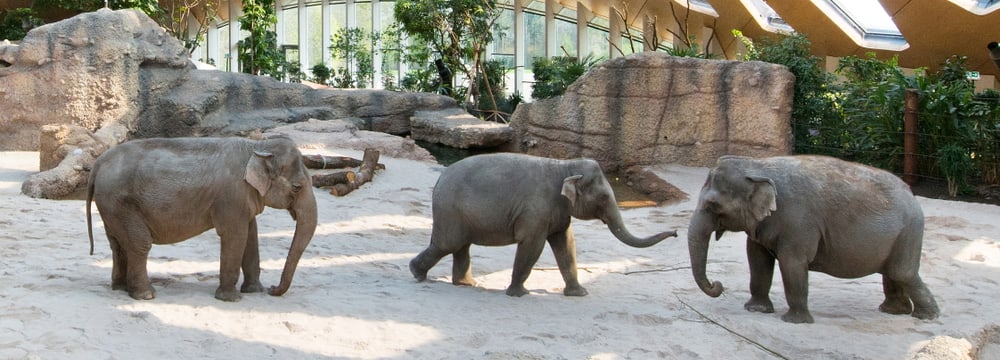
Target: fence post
[910,136]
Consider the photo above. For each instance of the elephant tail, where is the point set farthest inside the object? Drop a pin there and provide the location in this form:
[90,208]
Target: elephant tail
[90,197]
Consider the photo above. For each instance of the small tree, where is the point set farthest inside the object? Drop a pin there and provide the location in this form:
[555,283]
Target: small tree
[353,46]
[258,52]
[458,30]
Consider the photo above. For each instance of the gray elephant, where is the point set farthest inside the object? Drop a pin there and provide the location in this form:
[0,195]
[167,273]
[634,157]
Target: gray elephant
[813,213]
[163,191]
[504,199]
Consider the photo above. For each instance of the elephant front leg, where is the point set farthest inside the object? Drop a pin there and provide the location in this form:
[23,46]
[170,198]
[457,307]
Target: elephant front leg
[795,276]
[564,247]
[251,262]
[234,242]
[527,255]
[761,274]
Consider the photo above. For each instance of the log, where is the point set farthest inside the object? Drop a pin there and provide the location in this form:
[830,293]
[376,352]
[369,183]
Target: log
[340,177]
[365,174]
[332,162]
[329,162]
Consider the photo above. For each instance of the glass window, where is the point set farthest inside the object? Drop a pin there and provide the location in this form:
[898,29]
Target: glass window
[314,14]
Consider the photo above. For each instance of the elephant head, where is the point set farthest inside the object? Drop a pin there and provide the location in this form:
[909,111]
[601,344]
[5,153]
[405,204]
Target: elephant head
[591,197]
[735,197]
[276,172]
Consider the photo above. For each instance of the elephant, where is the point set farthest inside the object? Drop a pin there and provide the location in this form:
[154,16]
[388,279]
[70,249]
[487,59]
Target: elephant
[506,198]
[163,191]
[813,213]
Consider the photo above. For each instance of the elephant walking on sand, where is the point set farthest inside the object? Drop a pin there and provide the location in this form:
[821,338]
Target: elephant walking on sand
[163,191]
[504,199]
[813,213]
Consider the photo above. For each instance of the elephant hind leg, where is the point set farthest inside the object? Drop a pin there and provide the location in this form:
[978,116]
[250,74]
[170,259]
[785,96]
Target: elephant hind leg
[924,305]
[896,299]
[425,261]
[461,271]
[119,265]
[130,244]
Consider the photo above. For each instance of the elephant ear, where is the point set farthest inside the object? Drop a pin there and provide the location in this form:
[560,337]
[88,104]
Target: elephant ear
[763,199]
[569,188]
[257,171]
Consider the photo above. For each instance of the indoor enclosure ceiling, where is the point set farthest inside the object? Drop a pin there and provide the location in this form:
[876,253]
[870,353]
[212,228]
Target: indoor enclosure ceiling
[925,32]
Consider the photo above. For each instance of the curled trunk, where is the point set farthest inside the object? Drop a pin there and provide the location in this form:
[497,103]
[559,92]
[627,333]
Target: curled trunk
[617,228]
[304,212]
[699,232]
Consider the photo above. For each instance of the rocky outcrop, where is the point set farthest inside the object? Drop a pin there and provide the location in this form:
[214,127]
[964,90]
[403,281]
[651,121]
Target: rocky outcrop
[652,108]
[344,133]
[458,129]
[118,75]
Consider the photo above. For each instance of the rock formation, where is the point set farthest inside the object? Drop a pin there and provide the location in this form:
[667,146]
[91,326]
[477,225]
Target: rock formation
[458,129]
[119,75]
[653,108]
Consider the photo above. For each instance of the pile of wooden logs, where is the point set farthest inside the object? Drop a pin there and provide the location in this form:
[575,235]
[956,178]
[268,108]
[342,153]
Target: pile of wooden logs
[344,181]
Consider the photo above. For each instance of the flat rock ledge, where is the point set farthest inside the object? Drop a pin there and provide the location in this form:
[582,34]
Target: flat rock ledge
[458,129]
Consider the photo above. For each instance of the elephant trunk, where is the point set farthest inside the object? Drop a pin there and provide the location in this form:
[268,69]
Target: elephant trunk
[304,212]
[699,231]
[617,227]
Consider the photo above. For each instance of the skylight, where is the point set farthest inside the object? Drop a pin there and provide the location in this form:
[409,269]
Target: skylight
[978,7]
[865,22]
[766,17]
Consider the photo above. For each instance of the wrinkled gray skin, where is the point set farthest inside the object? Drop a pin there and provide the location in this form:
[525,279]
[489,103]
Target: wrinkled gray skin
[813,213]
[504,199]
[162,191]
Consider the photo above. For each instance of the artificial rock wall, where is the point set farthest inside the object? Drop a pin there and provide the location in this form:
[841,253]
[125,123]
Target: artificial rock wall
[653,108]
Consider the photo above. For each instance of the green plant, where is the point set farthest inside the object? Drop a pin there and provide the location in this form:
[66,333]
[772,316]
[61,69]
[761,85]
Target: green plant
[554,75]
[258,52]
[321,73]
[353,46]
[15,23]
[955,163]
[457,30]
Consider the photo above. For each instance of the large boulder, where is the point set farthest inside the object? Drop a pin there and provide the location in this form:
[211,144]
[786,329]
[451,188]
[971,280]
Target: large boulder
[345,134]
[653,108]
[458,129]
[118,75]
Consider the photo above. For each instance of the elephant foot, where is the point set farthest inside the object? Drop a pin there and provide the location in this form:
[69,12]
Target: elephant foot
[143,294]
[925,314]
[516,291]
[467,281]
[797,317]
[228,295]
[896,307]
[119,285]
[575,291]
[419,274]
[251,287]
[759,305]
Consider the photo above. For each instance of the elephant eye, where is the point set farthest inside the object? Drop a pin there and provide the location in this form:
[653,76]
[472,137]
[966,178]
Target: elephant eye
[296,187]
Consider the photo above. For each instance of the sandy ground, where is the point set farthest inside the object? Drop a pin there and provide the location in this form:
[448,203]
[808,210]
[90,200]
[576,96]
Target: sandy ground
[353,295]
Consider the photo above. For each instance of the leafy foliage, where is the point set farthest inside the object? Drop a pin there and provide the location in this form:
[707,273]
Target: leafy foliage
[258,52]
[457,30]
[15,23]
[353,46]
[554,75]
[860,117]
